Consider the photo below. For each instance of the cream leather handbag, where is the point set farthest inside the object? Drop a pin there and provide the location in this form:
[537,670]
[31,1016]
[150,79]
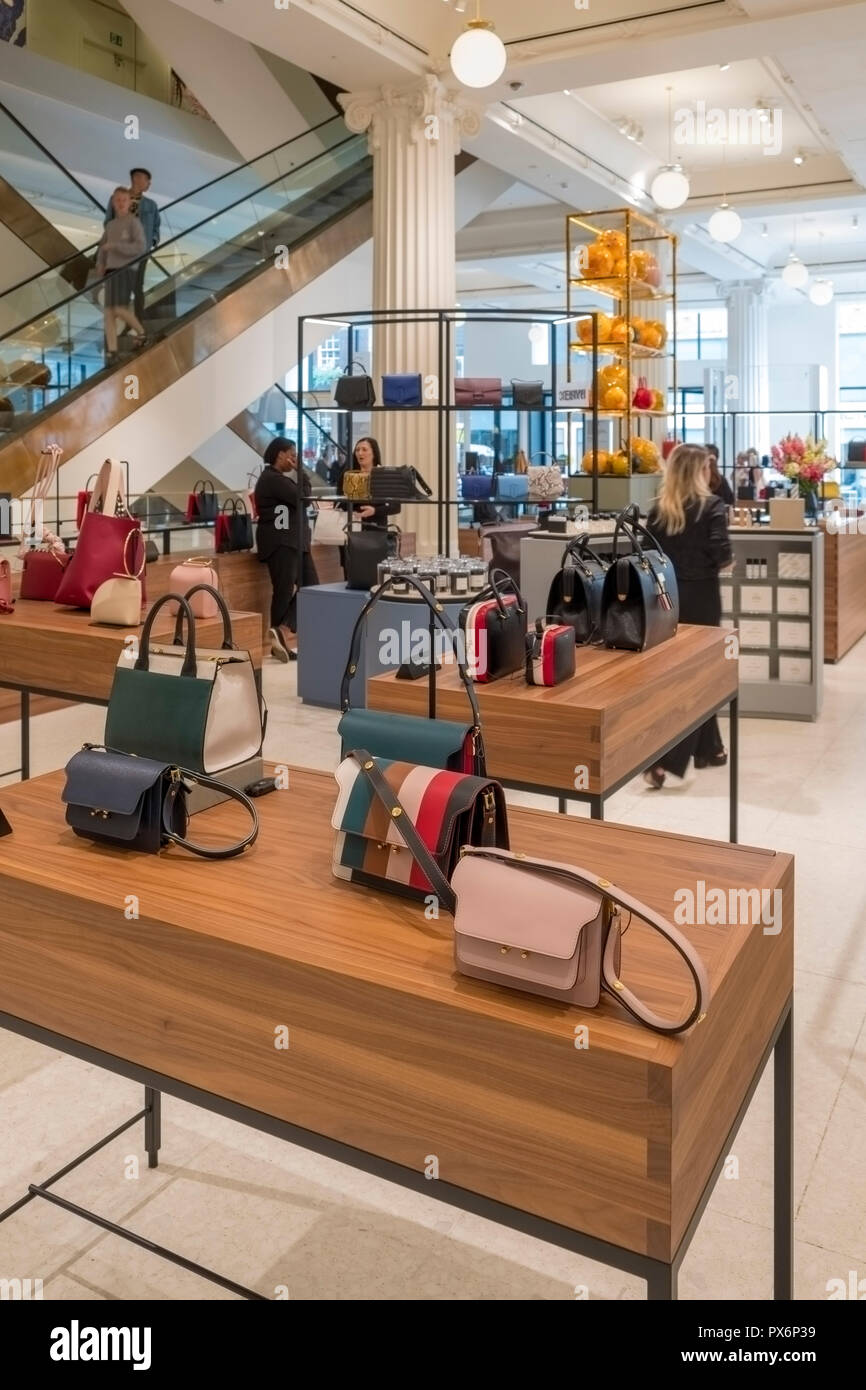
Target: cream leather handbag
[117,602]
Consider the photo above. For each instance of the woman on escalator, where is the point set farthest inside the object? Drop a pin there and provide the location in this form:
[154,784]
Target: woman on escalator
[121,246]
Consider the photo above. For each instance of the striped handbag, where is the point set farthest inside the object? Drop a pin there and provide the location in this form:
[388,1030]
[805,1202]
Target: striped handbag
[391,818]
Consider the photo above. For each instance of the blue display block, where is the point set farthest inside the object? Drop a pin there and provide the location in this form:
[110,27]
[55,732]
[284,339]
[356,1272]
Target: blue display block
[327,614]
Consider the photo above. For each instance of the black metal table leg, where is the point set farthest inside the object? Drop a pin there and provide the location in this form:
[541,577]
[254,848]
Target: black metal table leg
[25,735]
[734,769]
[596,807]
[662,1282]
[152,1125]
[783,1161]
[563,806]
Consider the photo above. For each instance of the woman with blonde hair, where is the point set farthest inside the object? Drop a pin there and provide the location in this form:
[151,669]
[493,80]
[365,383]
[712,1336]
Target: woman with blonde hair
[690,524]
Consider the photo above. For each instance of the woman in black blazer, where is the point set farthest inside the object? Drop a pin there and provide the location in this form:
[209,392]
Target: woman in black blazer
[690,524]
[366,456]
[277,541]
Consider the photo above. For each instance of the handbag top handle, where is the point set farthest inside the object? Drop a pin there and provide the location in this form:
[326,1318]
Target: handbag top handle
[230,504]
[109,495]
[228,640]
[580,549]
[439,615]
[189,667]
[355,362]
[629,524]
[500,583]
[127,573]
[205,485]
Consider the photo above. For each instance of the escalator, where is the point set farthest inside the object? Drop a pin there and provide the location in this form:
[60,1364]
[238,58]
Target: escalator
[232,252]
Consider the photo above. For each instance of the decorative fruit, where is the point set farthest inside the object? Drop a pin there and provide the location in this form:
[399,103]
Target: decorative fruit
[612,374]
[621,331]
[600,463]
[653,274]
[613,240]
[653,334]
[619,465]
[638,325]
[620,268]
[658,400]
[614,398]
[584,329]
[645,455]
[639,264]
[643,396]
[598,261]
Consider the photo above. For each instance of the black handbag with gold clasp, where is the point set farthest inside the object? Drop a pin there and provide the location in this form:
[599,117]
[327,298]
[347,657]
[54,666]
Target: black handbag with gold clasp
[640,605]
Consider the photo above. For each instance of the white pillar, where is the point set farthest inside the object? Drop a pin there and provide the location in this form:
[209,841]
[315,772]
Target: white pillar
[747,386]
[414,137]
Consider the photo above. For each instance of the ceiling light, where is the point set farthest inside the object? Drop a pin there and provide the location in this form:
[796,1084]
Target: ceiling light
[765,231]
[723,67]
[478,58]
[725,223]
[763,111]
[799,157]
[670,187]
[795,274]
[821,292]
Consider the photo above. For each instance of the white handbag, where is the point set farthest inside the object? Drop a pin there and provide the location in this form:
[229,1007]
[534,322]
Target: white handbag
[117,601]
[330,528]
[546,482]
[173,701]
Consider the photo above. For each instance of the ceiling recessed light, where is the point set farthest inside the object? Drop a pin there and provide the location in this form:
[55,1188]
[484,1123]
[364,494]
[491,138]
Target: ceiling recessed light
[799,157]
[765,231]
[723,67]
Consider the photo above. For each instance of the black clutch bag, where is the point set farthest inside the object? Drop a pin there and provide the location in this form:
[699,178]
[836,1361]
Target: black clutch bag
[575,594]
[136,803]
[403,484]
[355,392]
[640,601]
[527,395]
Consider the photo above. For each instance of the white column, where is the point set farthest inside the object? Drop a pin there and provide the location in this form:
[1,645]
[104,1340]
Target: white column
[747,386]
[414,136]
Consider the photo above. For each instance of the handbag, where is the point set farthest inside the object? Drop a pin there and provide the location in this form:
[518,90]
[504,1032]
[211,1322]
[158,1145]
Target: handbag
[857,451]
[550,654]
[82,501]
[252,478]
[545,482]
[330,528]
[494,630]
[194,572]
[395,484]
[402,391]
[472,391]
[400,828]
[410,738]
[354,392]
[575,593]
[42,573]
[356,485]
[117,602]
[6,605]
[233,530]
[42,553]
[197,708]
[477,487]
[101,541]
[202,503]
[639,600]
[501,544]
[137,803]
[556,930]
[365,551]
[512,487]
[527,395]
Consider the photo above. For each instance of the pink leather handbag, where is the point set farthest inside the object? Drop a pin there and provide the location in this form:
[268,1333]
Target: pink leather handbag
[554,929]
[5,587]
[191,573]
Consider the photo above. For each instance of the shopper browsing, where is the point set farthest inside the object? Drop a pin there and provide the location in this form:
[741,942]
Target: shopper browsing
[691,526]
[121,245]
[147,212]
[277,501]
[366,456]
[719,485]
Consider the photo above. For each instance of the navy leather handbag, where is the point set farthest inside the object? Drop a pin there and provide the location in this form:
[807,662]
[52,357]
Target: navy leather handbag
[402,391]
[477,487]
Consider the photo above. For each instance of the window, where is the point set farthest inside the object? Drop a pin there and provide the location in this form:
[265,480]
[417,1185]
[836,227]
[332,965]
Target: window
[329,356]
[702,334]
[851,327]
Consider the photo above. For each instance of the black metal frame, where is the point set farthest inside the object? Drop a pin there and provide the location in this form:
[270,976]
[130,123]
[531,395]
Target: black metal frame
[660,1275]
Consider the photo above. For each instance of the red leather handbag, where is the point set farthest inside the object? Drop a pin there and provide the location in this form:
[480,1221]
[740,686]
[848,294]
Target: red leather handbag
[82,502]
[42,573]
[472,391]
[101,540]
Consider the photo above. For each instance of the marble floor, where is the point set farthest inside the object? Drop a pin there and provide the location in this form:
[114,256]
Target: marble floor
[275,1217]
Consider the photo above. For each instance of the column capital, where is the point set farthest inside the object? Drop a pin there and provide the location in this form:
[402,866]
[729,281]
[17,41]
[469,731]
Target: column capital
[420,110]
[756,288]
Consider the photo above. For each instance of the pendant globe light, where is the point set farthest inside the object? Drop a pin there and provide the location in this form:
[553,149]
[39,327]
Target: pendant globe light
[478,58]
[821,288]
[725,224]
[670,187]
[795,275]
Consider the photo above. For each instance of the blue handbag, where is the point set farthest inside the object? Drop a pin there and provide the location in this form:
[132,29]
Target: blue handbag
[512,487]
[402,390]
[477,487]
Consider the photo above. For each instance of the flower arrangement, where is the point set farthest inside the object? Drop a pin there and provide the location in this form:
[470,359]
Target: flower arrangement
[804,461]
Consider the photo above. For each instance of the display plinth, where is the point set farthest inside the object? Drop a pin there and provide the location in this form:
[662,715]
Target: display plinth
[618,1141]
[844,586]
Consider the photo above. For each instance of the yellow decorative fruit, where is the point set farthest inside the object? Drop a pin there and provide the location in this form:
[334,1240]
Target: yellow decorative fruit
[652,335]
[599,464]
[619,465]
[598,261]
[621,331]
[614,398]
[620,268]
[658,400]
[612,374]
[584,329]
[614,241]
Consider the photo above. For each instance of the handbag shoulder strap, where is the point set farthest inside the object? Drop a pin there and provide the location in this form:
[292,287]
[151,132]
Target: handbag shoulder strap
[180,778]
[422,483]
[347,370]
[610,980]
[440,616]
[421,854]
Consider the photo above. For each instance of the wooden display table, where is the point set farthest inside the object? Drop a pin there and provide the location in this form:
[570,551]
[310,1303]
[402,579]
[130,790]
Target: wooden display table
[586,738]
[58,652]
[844,588]
[244,583]
[611,1151]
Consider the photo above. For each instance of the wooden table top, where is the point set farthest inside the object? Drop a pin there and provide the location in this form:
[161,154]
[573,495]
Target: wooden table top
[50,648]
[388,1043]
[616,712]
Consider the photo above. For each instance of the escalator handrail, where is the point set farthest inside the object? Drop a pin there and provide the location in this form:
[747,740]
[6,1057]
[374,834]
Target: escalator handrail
[89,250]
[79,294]
[293,400]
[54,160]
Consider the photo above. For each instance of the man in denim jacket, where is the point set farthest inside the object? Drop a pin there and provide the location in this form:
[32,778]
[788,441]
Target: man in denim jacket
[147,212]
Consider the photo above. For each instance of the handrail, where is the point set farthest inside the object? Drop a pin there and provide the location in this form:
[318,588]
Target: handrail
[88,250]
[164,244]
[54,160]
[292,398]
